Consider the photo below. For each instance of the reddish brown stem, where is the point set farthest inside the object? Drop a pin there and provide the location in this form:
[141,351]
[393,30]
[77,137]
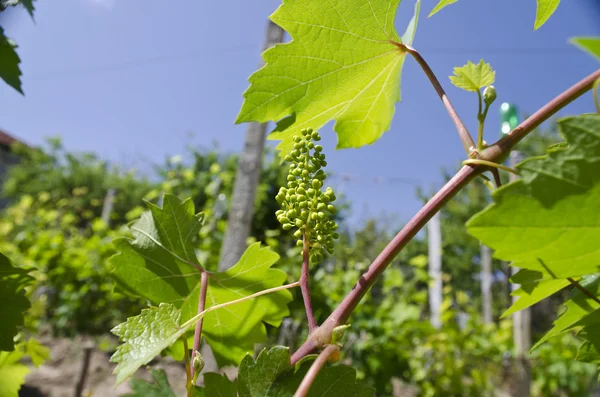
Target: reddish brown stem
[499,150]
[584,290]
[314,370]
[496,152]
[463,132]
[312,322]
[201,307]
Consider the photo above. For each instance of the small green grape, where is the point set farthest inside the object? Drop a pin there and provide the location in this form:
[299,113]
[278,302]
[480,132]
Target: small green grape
[304,205]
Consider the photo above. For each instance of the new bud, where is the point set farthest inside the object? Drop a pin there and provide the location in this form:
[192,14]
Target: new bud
[489,95]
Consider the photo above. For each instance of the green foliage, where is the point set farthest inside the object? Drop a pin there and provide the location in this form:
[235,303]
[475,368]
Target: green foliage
[160,264]
[473,77]
[555,372]
[27,4]
[357,85]
[271,375]
[216,385]
[9,62]
[545,9]
[12,372]
[533,291]
[548,221]
[79,182]
[442,4]
[580,310]
[590,45]
[12,301]
[159,387]
[74,289]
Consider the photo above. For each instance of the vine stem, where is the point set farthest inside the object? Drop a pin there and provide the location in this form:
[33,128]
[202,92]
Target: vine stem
[463,132]
[201,306]
[314,370]
[188,368]
[201,315]
[495,152]
[312,322]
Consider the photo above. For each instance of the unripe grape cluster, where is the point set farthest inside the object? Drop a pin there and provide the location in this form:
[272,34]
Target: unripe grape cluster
[305,206]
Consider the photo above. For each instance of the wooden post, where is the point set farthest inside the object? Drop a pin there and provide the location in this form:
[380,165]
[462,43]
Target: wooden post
[246,180]
[107,206]
[435,270]
[521,327]
[486,283]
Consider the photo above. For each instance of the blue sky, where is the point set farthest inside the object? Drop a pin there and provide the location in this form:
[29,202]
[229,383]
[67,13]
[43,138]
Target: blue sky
[136,81]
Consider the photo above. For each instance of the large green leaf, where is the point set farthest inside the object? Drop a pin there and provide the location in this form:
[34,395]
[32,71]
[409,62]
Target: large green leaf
[160,265]
[9,62]
[590,45]
[549,221]
[158,387]
[545,9]
[342,64]
[13,301]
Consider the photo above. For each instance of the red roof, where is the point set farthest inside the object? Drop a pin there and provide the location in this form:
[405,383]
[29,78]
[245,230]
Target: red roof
[7,140]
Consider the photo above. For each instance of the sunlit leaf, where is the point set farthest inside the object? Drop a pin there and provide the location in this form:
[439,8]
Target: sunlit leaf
[440,5]
[549,221]
[13,301]
[545,9]
[473,77]
[590,45]
[342,64]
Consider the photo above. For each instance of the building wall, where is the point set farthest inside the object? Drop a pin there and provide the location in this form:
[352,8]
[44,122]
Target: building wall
[6,160]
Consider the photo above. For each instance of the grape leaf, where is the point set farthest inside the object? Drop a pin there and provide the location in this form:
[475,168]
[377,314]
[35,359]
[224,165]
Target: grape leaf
[271,375]
[342,64]
[473,77]
[232,332]
[532,293]
[216,385]
[580,310]
[27,4]
[588,353]
[545,9]
[13,301]
[549,221]
[590,45]
[9,62]
[12,374]
[440,5]
[159,387]
[160,265]
[146,336]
